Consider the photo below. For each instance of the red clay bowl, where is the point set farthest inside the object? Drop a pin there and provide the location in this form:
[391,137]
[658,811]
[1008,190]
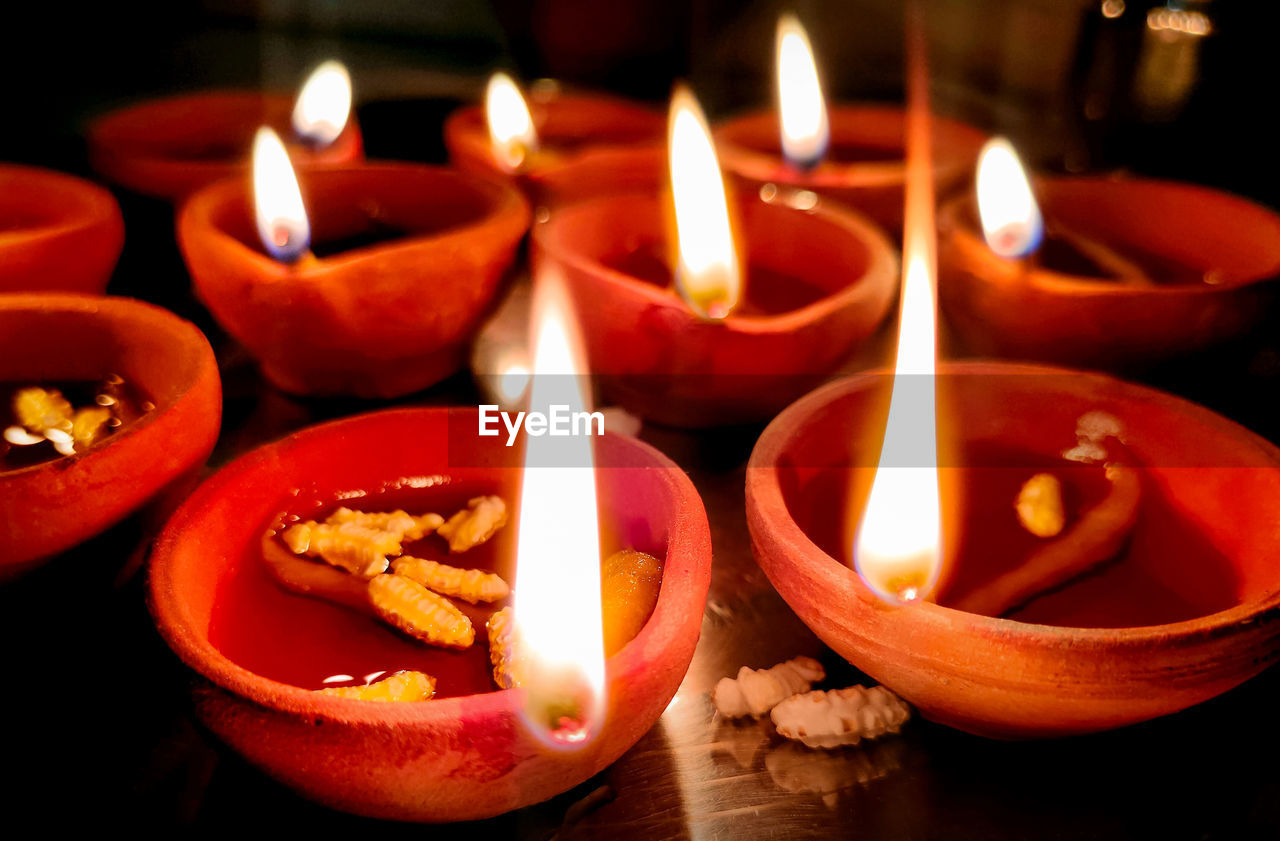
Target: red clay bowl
[1203,549]
[449,759]
[658,359]
[57,233]
[49,507]
[866,161]
[171,147]
[1006,308]
[571,128]
[379,320]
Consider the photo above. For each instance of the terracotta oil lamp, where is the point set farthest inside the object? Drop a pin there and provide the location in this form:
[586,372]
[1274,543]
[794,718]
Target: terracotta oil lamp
[967,594]
[57,233]
[852,153]
[472,752]
[51,505]
[1114,272]
[531,142]
[373,289]
[1183,612]
[169,148]
[742,332]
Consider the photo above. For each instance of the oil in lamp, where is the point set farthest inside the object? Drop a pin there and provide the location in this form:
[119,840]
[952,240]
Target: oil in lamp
[151,460]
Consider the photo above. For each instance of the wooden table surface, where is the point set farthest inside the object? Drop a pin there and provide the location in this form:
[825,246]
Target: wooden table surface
[98,724]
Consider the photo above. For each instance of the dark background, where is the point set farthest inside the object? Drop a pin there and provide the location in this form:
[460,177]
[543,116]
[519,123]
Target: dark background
[97,727]
[1030,68]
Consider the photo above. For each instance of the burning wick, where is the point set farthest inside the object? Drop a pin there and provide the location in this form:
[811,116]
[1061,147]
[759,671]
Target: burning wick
[805,130]
[898,547]
[511,132]
[557,610]
[1011,220]
[707,274]
[324,104]
[281,216]
[561,705]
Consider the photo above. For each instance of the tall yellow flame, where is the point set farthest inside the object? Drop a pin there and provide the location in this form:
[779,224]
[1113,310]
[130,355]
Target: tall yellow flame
[707,273]
[898,546]
[557,601]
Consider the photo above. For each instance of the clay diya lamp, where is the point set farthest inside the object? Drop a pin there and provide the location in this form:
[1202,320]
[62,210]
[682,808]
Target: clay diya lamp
[169,148]
[740,335]
[530,143]
[165,363]
[405,261]
[470,752]
[1035,551]
[1184,611]
[852,153]
[57,233]
[1112,273]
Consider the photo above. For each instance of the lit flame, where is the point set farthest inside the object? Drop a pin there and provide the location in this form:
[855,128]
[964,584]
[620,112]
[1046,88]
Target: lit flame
[324,104]
[277,202]
[707,272]
[898,548]
[511,130]
[557,602]
[898,545]
[802,112]
[1011,221]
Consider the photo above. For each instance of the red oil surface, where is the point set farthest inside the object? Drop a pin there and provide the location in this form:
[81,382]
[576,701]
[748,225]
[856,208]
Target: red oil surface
[765,290]
[302,641]
[1168,571]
